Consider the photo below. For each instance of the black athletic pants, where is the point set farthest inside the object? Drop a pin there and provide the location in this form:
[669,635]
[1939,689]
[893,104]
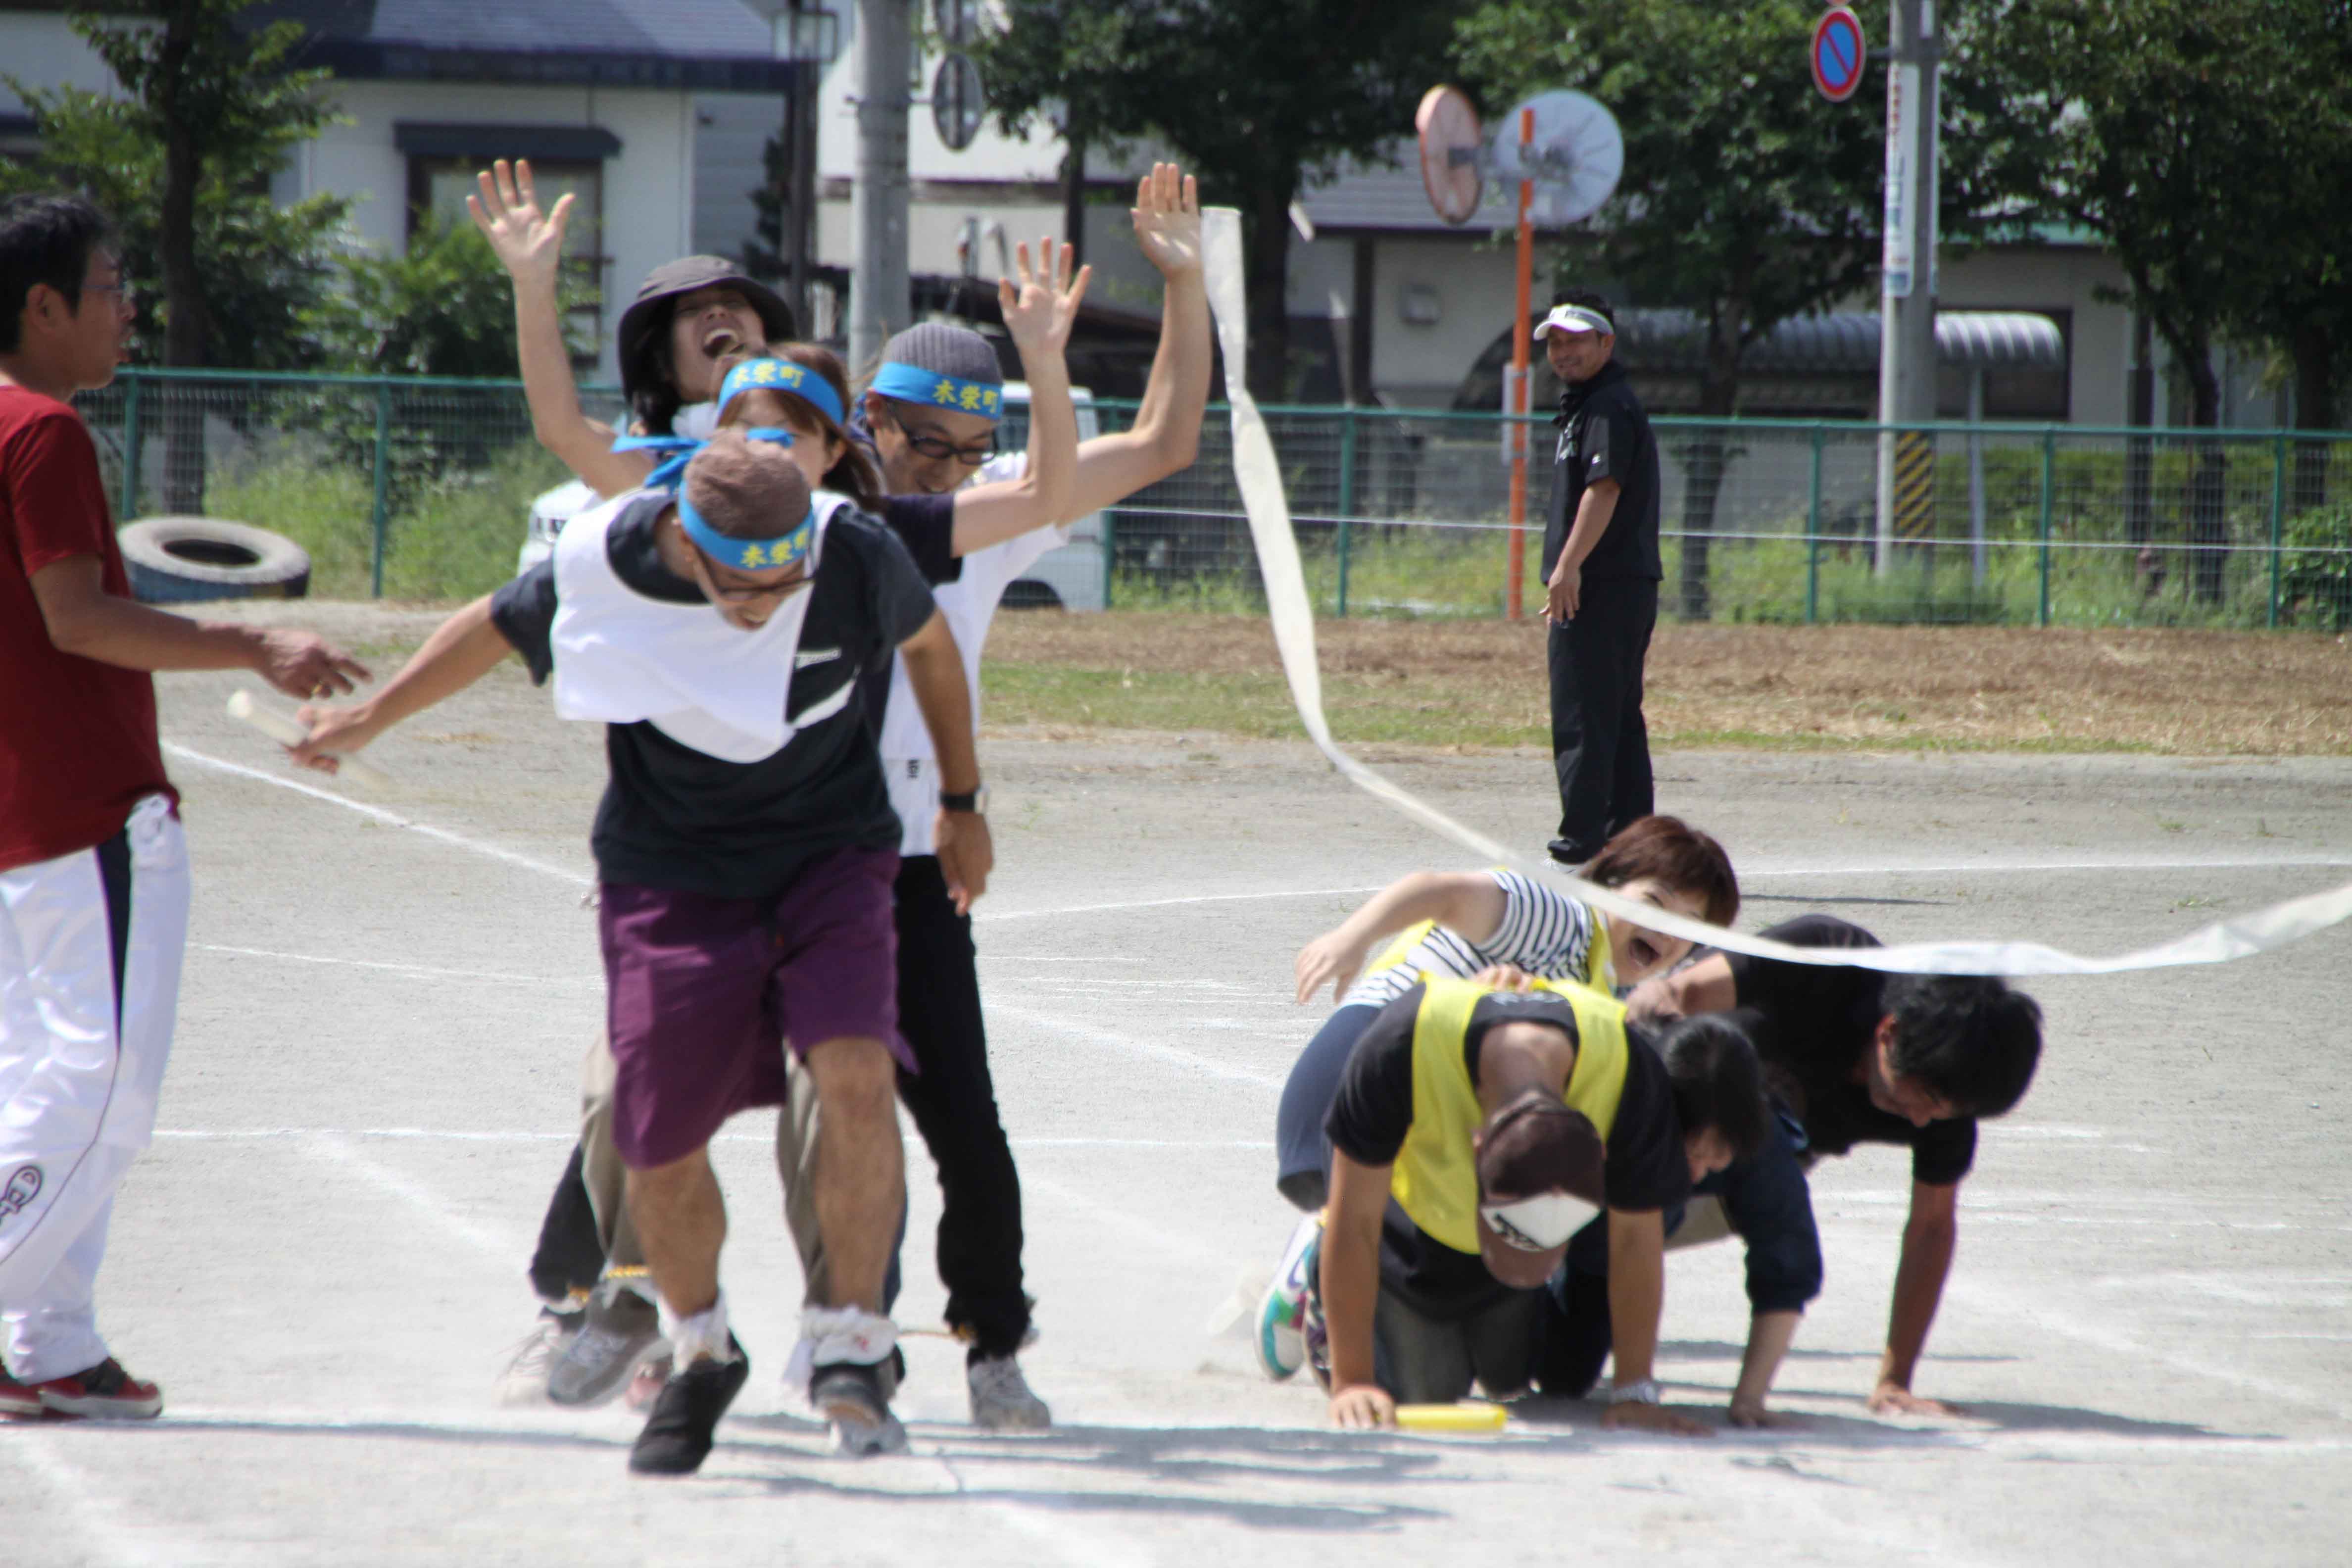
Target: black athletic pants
[953,1102]
[1600,743]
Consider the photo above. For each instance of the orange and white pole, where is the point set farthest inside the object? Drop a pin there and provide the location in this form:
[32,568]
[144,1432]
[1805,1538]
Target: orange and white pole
[1514,391]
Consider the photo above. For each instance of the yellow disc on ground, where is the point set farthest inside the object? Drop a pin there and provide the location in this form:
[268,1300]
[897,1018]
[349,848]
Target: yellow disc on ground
[1450,1417]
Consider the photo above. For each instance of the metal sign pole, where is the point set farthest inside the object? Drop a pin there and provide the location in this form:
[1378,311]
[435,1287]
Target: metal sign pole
[1516,384]
[879,298]
[1906,342]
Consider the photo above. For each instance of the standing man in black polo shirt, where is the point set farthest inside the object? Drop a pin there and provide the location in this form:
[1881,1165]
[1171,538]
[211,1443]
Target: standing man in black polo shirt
[1863,1057]
[1602,573]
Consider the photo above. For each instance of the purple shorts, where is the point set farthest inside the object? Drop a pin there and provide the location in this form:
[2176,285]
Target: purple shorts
[702,992]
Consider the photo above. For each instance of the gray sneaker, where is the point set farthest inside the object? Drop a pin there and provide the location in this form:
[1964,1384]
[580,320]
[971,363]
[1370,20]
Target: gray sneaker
[850,1395]
[1001,1397]
[524,1381]
[622,1330]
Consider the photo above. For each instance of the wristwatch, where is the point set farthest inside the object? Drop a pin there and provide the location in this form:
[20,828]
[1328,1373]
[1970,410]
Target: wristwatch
[972,800]
[1645,1392]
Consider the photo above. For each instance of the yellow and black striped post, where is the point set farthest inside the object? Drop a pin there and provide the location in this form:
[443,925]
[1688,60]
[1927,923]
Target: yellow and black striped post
[1914,487]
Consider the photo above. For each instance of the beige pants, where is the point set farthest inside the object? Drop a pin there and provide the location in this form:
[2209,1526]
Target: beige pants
[607,1177]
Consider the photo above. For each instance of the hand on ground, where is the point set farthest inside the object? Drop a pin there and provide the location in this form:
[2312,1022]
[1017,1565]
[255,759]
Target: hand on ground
[1891,1398]
[1746,1412]
[1363,1405]
[1635,1417]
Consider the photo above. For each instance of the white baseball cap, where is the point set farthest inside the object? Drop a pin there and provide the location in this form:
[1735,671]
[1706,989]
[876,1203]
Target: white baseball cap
[1574,319]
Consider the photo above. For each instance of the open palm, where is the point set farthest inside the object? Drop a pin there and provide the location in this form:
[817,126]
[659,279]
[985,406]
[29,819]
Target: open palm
[1040,305]
[1166,215]
[529,242]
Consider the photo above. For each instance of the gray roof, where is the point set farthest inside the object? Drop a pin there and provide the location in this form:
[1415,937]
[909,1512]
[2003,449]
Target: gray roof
[713,44]
[1366,195]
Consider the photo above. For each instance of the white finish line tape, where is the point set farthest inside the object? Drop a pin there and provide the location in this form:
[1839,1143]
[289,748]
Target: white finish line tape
[1268,507]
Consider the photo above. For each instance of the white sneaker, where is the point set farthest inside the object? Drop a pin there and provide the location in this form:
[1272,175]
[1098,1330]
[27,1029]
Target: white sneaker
[524,1381]
[1001,1397]
[1280,1339]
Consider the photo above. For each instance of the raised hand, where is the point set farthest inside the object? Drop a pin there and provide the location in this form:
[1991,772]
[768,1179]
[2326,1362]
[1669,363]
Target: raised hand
[1166,215]
[529,242]
[1041,306]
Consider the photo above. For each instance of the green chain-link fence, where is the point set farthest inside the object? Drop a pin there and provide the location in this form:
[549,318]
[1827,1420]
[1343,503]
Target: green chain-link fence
[419,489]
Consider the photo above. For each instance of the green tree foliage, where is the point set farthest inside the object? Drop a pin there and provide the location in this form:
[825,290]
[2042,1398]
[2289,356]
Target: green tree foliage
[444,306]
[1256,97]
[1746,197]
[2207,147]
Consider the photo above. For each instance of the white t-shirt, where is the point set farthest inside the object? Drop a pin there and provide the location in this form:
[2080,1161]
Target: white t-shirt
[1544,931]
[970,605]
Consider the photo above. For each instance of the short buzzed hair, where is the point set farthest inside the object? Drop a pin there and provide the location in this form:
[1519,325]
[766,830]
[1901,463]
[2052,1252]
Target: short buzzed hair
[747,489]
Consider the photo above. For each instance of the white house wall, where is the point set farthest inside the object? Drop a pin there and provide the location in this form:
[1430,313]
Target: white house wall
[648,186]
[2059,277]
[42,51]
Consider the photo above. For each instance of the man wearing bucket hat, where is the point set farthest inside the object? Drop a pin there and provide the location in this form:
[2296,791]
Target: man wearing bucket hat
[1477,1128]
[1600,574]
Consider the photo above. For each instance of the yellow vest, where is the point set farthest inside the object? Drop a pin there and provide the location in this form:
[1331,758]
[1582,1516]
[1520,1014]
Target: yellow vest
[1435,1176]
[1599,970]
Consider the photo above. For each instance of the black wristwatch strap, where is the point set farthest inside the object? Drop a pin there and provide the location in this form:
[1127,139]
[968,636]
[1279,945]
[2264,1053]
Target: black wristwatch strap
[967,801]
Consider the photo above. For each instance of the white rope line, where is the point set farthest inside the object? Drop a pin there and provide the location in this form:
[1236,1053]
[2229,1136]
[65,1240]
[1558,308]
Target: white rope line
[1259,476]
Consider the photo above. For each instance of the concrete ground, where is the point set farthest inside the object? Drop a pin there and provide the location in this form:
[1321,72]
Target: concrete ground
[322,1259]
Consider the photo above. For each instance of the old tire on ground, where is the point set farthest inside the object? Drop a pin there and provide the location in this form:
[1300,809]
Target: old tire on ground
[178,559]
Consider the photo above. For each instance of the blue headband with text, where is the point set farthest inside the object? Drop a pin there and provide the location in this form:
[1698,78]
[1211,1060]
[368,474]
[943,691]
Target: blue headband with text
[783,375]
[746,555]
[670,472]
[934,390]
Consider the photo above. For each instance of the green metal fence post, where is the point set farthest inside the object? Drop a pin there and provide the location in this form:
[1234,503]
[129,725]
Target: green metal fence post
[2278,517]
[1346,500]
[131,438]
[1813,531]
[2049,501]
[382,480]
[1110,553]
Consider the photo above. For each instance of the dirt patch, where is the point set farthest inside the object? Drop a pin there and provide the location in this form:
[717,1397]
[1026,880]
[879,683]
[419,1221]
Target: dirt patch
[2179,692]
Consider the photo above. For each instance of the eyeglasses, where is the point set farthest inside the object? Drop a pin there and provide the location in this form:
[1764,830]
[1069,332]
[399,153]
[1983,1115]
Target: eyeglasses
[125,296]
[936,446]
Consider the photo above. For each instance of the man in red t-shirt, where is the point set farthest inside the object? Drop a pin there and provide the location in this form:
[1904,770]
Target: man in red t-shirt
[93,870]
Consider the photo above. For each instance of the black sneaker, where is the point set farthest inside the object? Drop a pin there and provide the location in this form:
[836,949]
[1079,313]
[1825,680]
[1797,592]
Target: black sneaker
[851,1397]
[678,1435]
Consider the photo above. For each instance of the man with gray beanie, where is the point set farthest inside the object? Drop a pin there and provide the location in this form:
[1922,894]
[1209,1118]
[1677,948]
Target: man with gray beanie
[745,851]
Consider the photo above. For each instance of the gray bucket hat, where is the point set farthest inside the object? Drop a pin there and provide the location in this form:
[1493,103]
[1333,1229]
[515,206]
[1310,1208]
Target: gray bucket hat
[648,316]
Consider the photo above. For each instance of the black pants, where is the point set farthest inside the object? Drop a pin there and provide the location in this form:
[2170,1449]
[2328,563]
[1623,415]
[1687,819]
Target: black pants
[1599,743]
[953,1102]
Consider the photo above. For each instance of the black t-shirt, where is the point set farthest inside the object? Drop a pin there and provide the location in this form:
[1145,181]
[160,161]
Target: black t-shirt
[1812,1025]
[1645,1167]
[1605,435]
[676,818]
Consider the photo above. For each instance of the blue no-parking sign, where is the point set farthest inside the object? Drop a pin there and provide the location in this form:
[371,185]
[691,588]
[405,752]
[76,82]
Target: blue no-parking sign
[1837,54]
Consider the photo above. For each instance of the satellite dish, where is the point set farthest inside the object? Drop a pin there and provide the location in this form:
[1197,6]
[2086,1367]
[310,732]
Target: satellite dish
[1449,152]
[1575,159]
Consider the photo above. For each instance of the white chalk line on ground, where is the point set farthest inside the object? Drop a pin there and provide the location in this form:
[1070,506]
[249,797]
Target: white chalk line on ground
[462,1135]
[377,814]
[340,1150]
[1760,869]
[1188,1060]
[99,1517]
[409,970]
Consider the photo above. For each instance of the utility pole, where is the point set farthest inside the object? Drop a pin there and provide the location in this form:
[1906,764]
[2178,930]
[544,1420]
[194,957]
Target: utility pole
[880,299]
[1906,339]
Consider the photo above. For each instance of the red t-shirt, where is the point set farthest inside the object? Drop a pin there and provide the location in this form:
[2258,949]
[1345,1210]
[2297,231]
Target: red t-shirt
[78,743]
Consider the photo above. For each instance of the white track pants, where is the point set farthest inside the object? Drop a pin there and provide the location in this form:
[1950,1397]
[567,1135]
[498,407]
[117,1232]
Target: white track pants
[90,946]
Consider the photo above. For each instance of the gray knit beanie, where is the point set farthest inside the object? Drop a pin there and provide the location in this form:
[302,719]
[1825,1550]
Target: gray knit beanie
[946,349]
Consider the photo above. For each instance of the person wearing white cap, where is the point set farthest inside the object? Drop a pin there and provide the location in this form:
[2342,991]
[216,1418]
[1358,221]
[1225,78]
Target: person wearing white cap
[1600,575]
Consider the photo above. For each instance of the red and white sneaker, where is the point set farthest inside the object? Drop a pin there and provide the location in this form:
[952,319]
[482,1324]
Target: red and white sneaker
[19,1399]
[101,1393]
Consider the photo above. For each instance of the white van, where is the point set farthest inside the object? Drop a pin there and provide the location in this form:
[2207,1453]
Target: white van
[1074,576]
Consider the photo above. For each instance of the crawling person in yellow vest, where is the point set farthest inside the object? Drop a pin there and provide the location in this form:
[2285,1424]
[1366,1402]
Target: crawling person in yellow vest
[1475,1130]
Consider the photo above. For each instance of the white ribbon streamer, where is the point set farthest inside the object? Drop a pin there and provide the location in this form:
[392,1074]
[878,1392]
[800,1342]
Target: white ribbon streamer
[1260,478]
